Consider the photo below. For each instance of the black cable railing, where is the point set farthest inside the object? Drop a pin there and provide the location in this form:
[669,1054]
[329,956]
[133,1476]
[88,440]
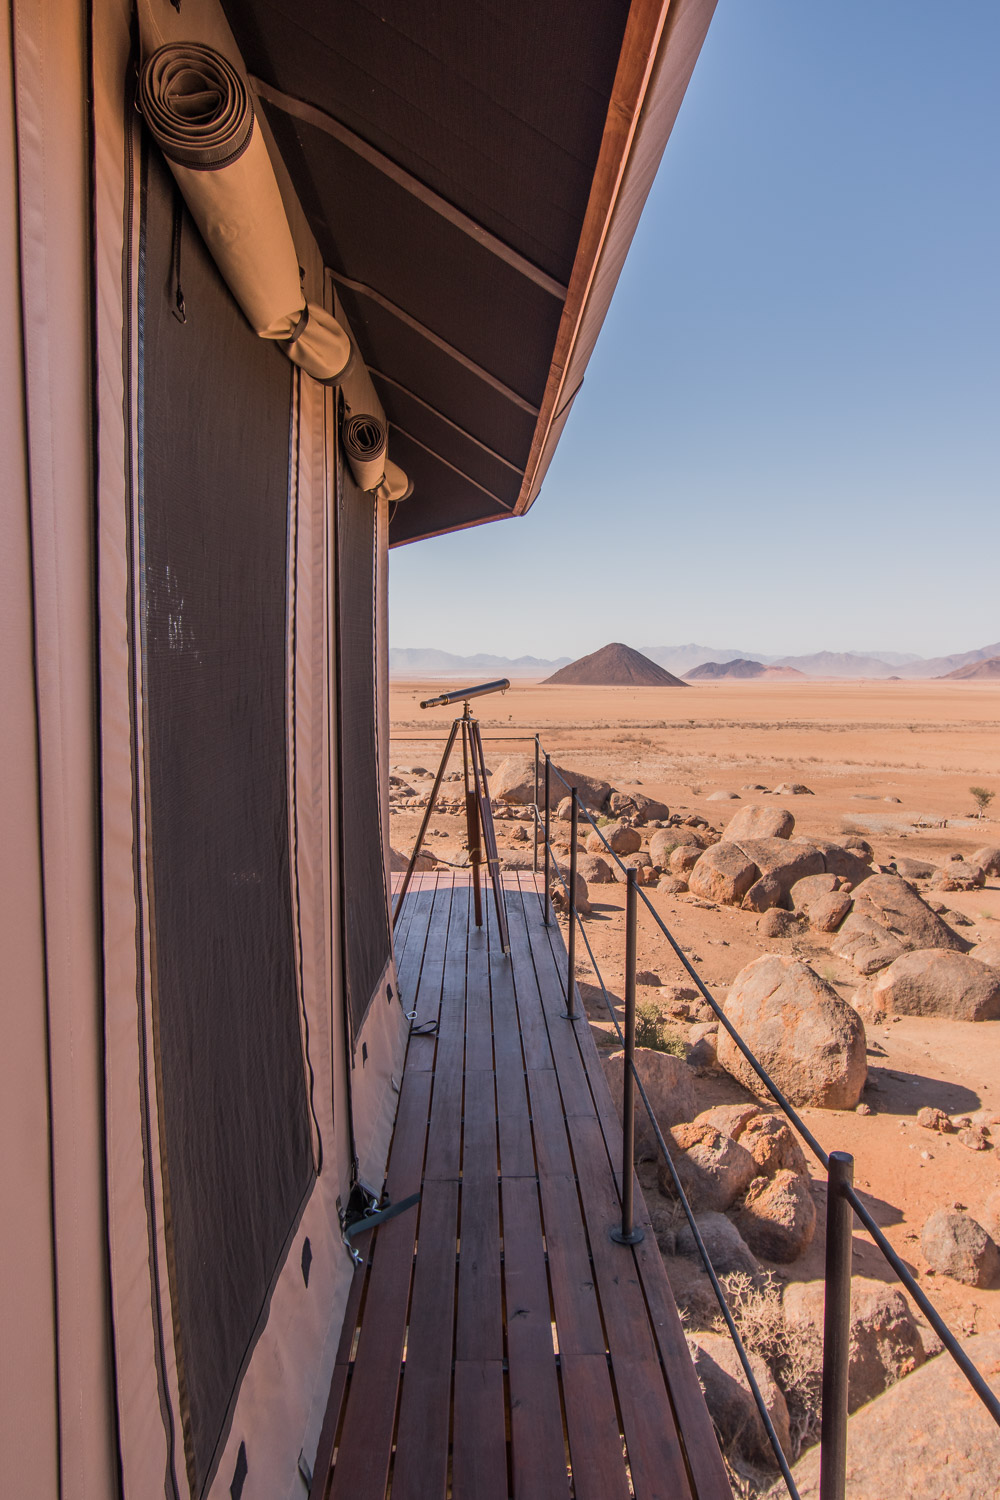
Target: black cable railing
[625,1233]
[843,1201]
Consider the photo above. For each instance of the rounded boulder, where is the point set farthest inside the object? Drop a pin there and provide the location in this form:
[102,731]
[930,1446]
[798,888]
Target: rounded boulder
[724,874]
[937,982]
[759,821]
[778,1217]
[713,1168]
[810,1041]
[955,1245]
[668,1082]
[885,1340]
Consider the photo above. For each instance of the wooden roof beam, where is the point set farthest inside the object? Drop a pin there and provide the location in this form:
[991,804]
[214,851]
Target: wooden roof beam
[361,290]
[318,118]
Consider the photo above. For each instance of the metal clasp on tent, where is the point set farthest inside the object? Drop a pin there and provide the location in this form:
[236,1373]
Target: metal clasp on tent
[366,1210]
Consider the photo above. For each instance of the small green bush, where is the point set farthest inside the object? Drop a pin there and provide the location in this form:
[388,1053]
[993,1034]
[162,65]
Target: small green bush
[651,1031]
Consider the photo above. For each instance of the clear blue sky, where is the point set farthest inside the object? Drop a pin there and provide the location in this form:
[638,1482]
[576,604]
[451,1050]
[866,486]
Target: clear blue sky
[803,358]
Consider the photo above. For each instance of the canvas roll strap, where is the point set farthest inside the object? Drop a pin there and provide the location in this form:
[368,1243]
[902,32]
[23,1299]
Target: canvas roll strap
[199,111]
[395,484]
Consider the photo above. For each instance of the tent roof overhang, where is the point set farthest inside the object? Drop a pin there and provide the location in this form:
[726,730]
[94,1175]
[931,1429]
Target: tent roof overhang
[473,175]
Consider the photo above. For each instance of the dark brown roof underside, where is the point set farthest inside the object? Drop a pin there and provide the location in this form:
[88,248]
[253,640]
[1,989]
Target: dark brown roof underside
[473,175]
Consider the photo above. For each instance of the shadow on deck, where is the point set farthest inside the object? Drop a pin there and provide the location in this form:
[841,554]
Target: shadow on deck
[497,1343]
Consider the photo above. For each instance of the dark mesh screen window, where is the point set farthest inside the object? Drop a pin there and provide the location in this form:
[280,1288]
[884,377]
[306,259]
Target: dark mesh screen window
[237,1160]
[367,942]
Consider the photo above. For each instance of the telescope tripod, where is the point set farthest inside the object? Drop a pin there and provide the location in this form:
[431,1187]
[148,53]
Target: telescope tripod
[478,822]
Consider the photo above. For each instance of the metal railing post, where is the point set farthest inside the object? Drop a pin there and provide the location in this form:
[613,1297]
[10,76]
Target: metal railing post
[574,827]
[534,851]
[836,1327]
[546,907]
[628,1234]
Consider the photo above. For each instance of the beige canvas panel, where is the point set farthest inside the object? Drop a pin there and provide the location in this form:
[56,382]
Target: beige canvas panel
[50,63]
[29,1413]
[282,1398]
[376,1078]
[149,1430]
[339,1040]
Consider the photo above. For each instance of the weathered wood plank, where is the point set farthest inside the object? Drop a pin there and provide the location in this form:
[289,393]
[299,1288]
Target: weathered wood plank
[420,1465]
[444,1140]
[479,1325]
[534,1032]
[365,1446]
[427,992]
[573,1082]
[595,1443]
[411,956]
[478,1019]
[479,1461]
[319,1489]
[517,1157]
[537,1452]
[655,1451]
[520,1132]
[574,1291]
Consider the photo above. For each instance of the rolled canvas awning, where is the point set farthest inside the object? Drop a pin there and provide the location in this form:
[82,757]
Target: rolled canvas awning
[197,105]
[198,109]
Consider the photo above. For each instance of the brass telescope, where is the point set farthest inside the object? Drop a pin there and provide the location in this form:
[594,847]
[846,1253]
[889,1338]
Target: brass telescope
[481,832]
[464,694]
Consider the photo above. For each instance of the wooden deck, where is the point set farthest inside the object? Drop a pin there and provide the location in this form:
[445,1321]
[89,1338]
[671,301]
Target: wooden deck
[497,1342]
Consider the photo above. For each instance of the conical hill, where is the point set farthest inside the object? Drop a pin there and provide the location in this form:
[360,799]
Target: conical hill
[614,665]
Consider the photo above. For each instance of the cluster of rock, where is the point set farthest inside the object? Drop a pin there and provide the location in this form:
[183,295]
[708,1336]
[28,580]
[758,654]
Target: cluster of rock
[910,960]
[739,1160]
[746,1180]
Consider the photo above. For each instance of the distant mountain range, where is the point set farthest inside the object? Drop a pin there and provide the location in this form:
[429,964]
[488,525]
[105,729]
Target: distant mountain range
[977,670]
[714,671]
[424,662]
[680,660]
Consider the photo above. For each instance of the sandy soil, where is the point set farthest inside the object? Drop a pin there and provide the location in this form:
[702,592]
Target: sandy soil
[892,761]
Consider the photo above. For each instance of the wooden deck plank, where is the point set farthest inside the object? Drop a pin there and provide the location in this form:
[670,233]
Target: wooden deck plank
[548,1122]
[517,1156]
[320,1487]
[420,1465]
[365,1446]
[704,1457]
[655,1453]
[444,1140]
[411,959]
[595,1443]
[427,992]
[519,1194]
[550,982]
[478,1020]
[537,1453]
[708,1472]
[534,1032]
[479,1460]
[479,1317]
[574,1290]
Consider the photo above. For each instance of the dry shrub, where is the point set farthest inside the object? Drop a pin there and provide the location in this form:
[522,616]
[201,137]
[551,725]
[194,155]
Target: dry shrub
[796,1363]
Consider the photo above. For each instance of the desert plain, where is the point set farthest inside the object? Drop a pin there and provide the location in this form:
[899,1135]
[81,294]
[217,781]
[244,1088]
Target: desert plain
[890,762]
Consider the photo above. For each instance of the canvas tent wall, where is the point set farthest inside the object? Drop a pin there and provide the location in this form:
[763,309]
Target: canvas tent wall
[178,1087]
[203,1028]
